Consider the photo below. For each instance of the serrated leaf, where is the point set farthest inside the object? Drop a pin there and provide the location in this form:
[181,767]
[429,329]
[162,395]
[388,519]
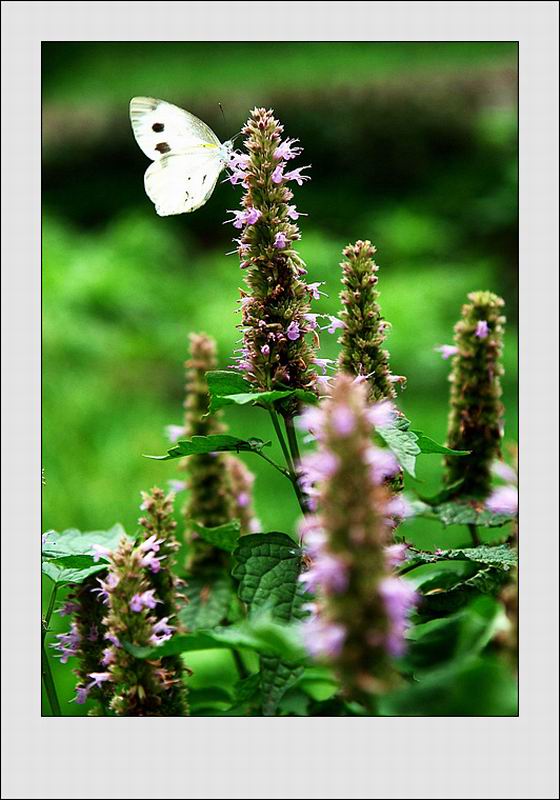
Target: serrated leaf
[428,445]
[277,677]
[231,388]
[267,566]
[209,597]
[501,556]
[403,442]
[469,513]
[224,537]
[72,542]
[71,569]
[217,443]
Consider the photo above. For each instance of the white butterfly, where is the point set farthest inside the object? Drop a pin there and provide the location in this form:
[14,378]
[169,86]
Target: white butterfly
[188,156]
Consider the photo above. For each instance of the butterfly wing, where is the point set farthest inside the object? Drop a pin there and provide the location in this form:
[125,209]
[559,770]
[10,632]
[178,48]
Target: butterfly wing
[161,128]
[178,183]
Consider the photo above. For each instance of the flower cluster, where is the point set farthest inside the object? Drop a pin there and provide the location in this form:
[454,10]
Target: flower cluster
[165,593]
[138,616]
[476,414]
[85,639]
[364,330]
[213,479]
[275,353]
[362,609]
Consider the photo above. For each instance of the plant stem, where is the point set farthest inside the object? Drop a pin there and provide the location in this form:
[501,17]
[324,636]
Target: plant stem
[48,680]
[474,535]
[296,457]
[283,445]
[292,472]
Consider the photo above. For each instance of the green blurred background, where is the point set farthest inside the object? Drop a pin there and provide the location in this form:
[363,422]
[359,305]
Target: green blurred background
[412,145]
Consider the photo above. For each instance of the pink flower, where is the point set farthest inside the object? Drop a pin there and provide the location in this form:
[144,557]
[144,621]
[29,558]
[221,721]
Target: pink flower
[482,329]
[327,573]
[504,471]
[382,415]
[322,638]
[174,432]
[447,350]
[503,500]
[323,363]
[286,150]
[100,552]
[295,175]
[383,464]
[292,331]
[265,350]
[280,240]
[395,554]
[278,174]
[335,324]
[247,216]
[399,507]
[313,289]
[343,420]
[399,598]
[293,213]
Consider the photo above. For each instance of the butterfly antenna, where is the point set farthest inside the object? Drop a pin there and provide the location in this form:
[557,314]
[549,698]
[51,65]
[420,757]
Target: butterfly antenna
[220,106]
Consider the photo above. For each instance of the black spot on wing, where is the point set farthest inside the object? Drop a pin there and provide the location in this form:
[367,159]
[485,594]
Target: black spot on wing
[204,178]
[158,127]
[162,147]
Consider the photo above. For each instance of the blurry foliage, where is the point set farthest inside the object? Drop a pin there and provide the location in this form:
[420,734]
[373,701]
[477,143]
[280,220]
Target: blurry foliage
[412,146]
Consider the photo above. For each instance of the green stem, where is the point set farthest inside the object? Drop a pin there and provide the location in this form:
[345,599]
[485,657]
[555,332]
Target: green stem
[283,445]
[292,472]
[474,535]
[48,680]
[296,457]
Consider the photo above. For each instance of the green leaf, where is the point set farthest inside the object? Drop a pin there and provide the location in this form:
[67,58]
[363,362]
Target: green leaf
[428,445]
[403,442]
[222,382]
[225,536]
[209,597]
[73,542]
[277,677]
[461,635]
[263,636]
[472,687]
[501,556]
[217,443]
[469,513]
[71,569]
[231,388]
[267,566]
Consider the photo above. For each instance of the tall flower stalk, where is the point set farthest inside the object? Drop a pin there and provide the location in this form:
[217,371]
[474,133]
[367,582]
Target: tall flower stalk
[275,306]
[476,412]
[219,486]
[361,612]
[364,331]
[141,687]
[275,352]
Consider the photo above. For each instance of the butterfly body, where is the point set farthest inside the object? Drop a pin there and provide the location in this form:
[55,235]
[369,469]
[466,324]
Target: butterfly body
[187,155]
